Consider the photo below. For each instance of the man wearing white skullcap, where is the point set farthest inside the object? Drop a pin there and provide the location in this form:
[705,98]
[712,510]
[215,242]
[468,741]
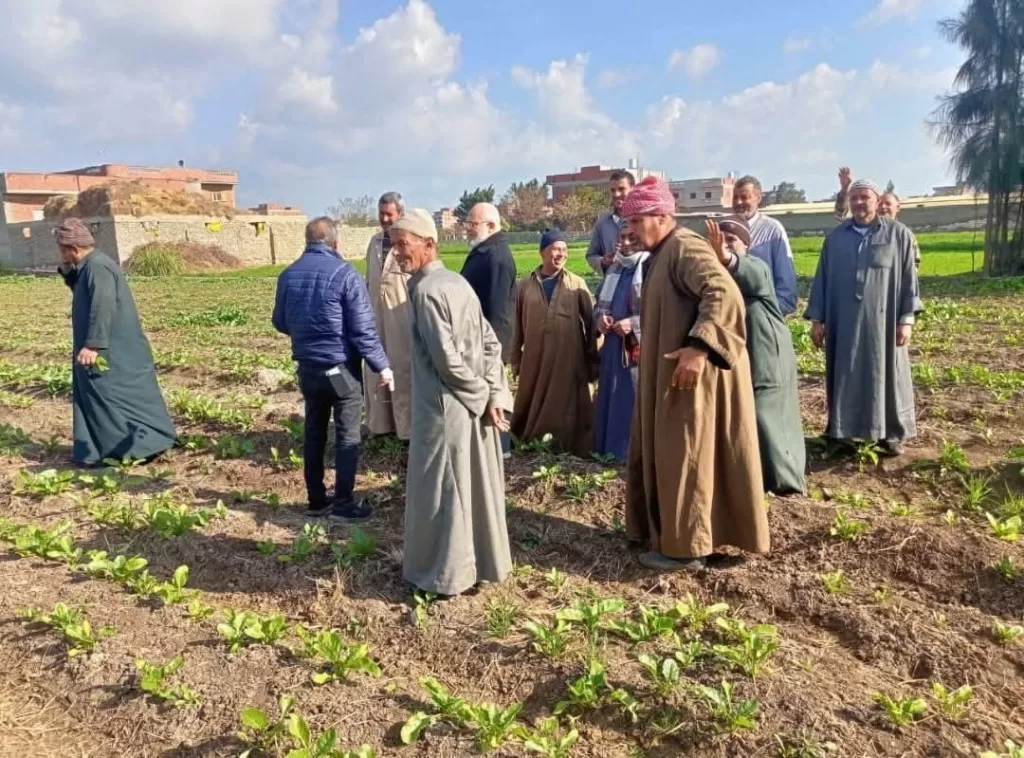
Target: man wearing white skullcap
[862,306]
[455,533]
[889,204]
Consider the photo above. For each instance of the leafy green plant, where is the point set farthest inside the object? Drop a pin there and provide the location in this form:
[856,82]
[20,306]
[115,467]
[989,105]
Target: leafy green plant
[651,623]
[197,409]
[952,459]
[538,445]
[360,546]
[243,628]
[548,739]
[12,439]
[44,484]
[1007,529]
[548,475]
[586,692]
[728,714]
[847,529]
[230,446]
[447,706]
[664,672]
[71,622]
[952,703]
[296,429]
[262,733]
[696,614]
[1006,634]
[120,568]
[173,592]
[341,658]
[591,614]
[494,725]
[836,582]
[423,601]
[171,520]
[266,547]
[500,615]
[120,515]
[152,681]
[1006,568]
[901,711]
[305,544]
[200,611]
[54,544]
[977,489]
[804,745]
[867,453]
[556,580]
[549,640]
[754,645]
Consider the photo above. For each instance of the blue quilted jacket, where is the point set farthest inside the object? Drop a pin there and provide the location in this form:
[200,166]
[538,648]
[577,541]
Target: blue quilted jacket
[323,305]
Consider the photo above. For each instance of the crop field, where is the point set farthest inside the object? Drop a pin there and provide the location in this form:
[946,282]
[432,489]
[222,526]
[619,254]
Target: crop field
[188,608]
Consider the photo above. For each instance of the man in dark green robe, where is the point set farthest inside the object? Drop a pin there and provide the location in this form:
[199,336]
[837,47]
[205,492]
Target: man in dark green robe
[118,409]
[780,432]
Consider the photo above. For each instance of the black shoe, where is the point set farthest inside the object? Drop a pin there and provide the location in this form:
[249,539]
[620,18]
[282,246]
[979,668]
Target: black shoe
[319,511]
[351,514]
[891,448]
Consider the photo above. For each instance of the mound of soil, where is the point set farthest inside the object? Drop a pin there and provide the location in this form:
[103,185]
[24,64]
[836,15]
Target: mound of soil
[193,256]
[134,199]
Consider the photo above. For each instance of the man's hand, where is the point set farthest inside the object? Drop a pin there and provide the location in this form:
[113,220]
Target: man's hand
[818,334]
[497,417]
[624,327]
[689,366]
[387,379]
[607,260]
[845,178]
[903,332]
[717,241]
[605,324]
[87,357]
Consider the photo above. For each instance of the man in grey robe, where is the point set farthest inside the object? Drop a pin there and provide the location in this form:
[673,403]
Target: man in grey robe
[455,532]
[862,306]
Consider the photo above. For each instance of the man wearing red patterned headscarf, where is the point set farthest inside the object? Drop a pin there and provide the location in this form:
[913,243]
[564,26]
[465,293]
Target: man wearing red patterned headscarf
[694,471]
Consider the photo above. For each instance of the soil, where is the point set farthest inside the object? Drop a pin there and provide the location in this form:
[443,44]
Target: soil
[922,601]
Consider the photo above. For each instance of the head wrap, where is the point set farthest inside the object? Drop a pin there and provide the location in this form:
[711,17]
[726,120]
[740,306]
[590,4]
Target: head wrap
[651,197]
[419,222]
[862,184]
[736,225]
[73,232]
[550,237]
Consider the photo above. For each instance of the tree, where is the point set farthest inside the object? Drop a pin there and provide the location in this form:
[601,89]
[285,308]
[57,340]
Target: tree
[578,211]
[355,211]
[469,199]
[782,193]
[981,121]
[890,187]
[524,206]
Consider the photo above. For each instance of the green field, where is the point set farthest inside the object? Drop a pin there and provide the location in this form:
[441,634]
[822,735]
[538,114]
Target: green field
[942,254]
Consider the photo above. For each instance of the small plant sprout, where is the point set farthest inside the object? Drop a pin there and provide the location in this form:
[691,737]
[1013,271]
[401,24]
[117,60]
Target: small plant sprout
[1006,634]
[174,592]
[500,615]
[556,580]
[902,510]
[847,529]
[243,628]
[548,739]
[547,475]
[266,547]
[867,454]
[1006,568]
[1007,530]
[836,582]
[952,704]
[152,681]
[494,725]
[360,546]
[949,517]
[45,483]
[540,445]
[341,659]
[664,673]
[71,622]
[591,614]
[587,691]
[421,609]
[447,707]
[200,611]
[728,715]
[901,711]
[549,640]
[262,733]
[12,439]
[305,744]
[754,645]
[696,614]
[977,490]
[307,543]
[650,624]
[952,459]
[804,745]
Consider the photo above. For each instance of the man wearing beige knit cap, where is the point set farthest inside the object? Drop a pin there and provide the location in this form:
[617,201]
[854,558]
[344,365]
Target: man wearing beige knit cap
[455,533]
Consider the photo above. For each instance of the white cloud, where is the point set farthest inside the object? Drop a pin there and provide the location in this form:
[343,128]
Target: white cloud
[696,62]
[895,77]
[796,44]
[891,10]
[610,78]
[924,52]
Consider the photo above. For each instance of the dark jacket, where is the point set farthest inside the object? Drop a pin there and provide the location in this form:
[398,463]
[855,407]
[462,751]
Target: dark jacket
[323,305]
[491,272]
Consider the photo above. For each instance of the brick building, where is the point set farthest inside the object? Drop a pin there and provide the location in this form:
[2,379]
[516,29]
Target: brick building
[24,194]
[445,219]
[703,194]
[592,176]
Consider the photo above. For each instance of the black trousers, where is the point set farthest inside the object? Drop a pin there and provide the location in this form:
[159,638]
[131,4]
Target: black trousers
[340,393]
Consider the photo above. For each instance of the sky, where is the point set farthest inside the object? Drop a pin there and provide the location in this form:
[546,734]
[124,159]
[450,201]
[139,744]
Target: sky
[315,100]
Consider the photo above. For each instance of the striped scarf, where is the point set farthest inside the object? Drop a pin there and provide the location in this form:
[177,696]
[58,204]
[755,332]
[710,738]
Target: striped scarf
[606,294]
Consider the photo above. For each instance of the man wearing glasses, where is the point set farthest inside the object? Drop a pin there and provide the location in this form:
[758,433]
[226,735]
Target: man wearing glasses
[491,272]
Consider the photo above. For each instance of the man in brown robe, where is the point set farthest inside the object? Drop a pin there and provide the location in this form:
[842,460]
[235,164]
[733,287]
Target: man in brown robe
[694,471]
[554,352]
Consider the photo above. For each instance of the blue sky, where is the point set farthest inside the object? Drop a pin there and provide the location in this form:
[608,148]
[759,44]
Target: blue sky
[311,100]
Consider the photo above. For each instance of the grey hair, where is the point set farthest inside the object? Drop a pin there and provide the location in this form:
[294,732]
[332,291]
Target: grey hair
[392,198]
[743,181]
[322,229]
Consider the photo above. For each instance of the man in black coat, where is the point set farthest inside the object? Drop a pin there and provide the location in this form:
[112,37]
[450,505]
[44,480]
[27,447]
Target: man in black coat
[491,272]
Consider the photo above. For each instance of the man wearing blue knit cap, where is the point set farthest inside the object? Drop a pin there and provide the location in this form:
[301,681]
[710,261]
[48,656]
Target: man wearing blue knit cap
[554,352]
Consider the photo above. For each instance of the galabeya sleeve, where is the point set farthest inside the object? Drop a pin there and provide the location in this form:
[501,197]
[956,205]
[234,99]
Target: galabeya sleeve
[720,325]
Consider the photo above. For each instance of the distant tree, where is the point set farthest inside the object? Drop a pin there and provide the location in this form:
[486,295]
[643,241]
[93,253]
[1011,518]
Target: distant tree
[578,211]
[782,193]
[469,199]
[524,206]
[890,187]
[355,211]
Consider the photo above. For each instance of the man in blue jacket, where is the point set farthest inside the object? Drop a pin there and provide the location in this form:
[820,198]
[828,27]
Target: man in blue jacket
[323,305]
[768,240]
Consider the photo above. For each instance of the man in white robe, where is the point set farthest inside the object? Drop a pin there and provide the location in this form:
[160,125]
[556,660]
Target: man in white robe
[455,532]
[387,411]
